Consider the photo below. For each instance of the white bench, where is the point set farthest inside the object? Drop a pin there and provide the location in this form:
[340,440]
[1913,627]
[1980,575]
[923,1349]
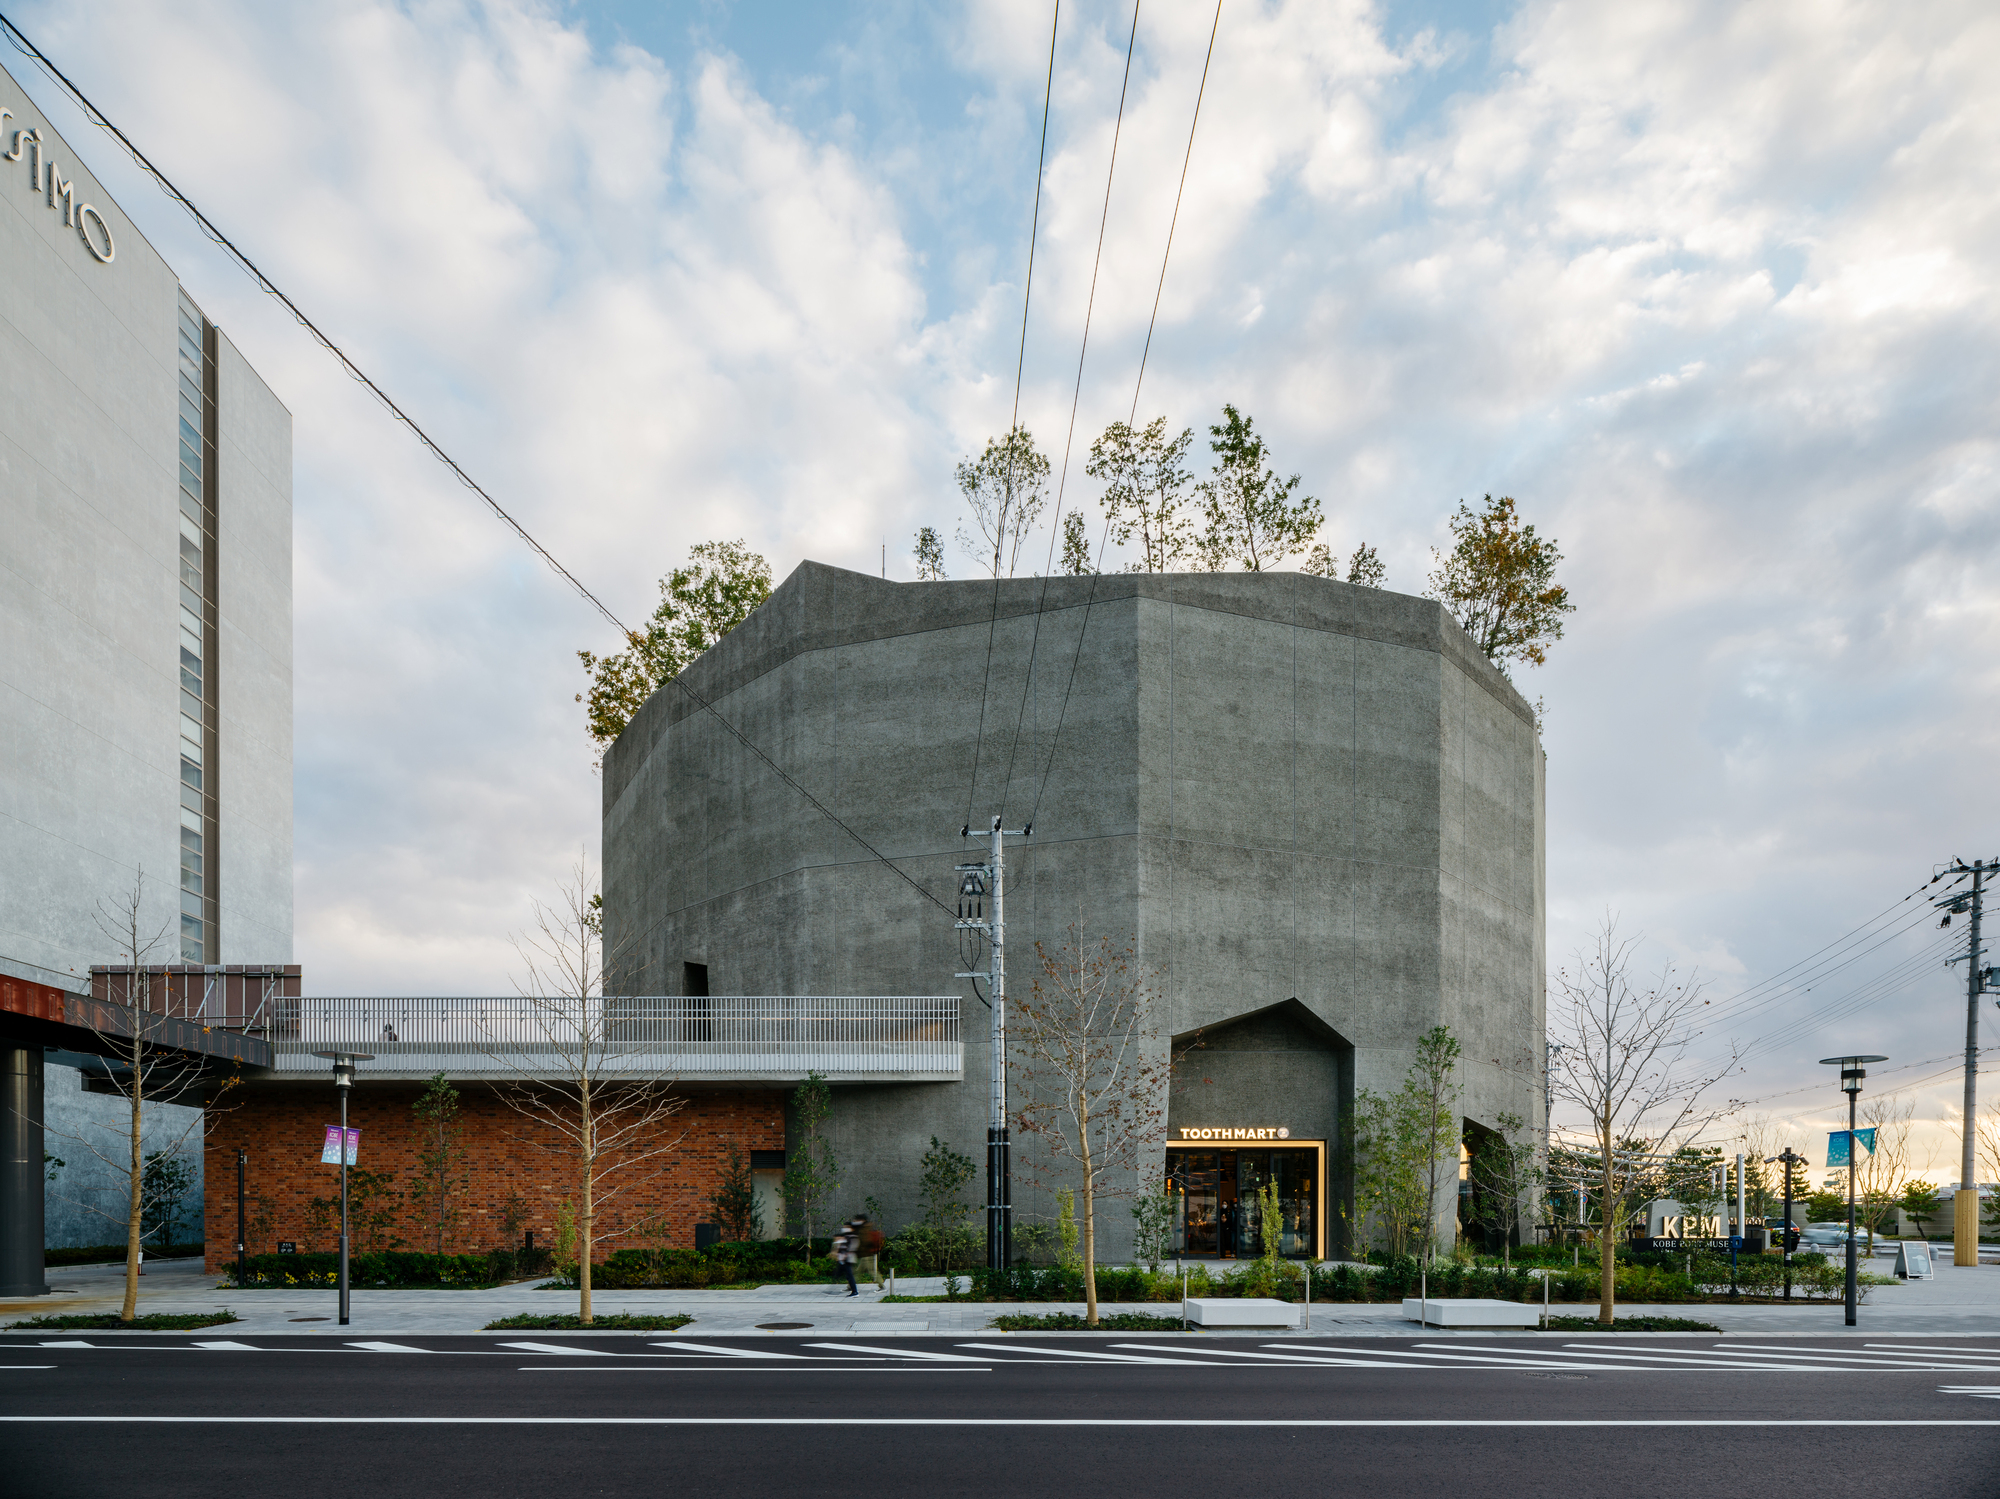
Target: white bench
[1470,1311]
[1239,1311]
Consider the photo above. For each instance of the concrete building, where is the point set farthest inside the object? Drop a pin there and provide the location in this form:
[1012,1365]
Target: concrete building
[1315,808]
[145,634]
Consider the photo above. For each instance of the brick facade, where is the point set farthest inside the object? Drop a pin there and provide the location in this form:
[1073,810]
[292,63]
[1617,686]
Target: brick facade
[283,1127]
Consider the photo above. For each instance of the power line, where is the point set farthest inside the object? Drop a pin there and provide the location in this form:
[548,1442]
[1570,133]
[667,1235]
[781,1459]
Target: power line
[1014,421]
[1076,399]
[98,118]
[1090,598]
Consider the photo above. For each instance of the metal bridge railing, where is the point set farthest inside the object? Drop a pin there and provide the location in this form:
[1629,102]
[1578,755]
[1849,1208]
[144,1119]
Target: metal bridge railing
[724,1037]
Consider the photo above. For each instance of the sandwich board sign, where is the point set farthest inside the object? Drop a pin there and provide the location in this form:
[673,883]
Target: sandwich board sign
[1913,1259]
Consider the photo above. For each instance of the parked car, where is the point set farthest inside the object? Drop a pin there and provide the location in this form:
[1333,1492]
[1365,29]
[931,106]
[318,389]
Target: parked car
[1827,1236]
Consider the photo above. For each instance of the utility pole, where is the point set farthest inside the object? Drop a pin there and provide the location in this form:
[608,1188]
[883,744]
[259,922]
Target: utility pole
[979,883]
[1978,979]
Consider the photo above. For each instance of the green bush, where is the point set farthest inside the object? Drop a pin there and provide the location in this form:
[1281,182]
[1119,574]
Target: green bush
[108,1254]
[393,1269]
[762,1262]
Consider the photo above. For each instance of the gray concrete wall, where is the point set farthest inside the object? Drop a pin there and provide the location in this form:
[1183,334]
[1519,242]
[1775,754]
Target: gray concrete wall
[86,1201]
[1284,788]
[89,688]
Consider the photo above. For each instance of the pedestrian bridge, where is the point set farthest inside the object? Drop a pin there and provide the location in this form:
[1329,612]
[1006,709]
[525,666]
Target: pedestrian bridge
[675,1038]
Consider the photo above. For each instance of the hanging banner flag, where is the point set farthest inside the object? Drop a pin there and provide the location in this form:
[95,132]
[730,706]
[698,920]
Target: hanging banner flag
[330,1156]
[1837,1146]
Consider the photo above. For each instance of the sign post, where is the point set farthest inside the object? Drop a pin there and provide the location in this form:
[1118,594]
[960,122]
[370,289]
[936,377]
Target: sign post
[342,1148]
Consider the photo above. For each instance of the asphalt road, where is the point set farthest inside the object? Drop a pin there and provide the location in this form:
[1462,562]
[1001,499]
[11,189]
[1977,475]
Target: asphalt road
[310,1415]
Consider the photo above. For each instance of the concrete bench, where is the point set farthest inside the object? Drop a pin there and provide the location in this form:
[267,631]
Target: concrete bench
[1470,1311]
[1239,1311]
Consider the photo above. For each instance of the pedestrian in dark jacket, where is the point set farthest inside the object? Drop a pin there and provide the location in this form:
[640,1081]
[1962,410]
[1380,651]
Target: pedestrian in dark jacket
[847,1248]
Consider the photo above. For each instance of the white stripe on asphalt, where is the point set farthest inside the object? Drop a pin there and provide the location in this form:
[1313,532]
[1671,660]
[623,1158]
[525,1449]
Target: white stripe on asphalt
[721,1351]
[957,1358]
[558,1348]
[27,1366]
[1107,1358]
[365,1347]
[1275,1359]
[1971,1360]
[1940,1348]
[826,1368]
[1914,1363]
[1702,1361]
[1163,1423]
[1388,1357]
[1805,1358]
[231,1347]
[69,1345]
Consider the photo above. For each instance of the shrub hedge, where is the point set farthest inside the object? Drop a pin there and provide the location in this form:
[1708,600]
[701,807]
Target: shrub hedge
[394,1269]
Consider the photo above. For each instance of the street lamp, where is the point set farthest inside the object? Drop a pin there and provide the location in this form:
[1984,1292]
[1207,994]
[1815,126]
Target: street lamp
[1851,1073]
[343,1079]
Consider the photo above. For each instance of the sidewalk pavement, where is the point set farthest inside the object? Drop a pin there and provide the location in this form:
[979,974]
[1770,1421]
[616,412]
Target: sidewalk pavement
[1960,1302]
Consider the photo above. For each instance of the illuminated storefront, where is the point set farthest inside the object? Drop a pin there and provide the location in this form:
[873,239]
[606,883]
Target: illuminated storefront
[1218,1175]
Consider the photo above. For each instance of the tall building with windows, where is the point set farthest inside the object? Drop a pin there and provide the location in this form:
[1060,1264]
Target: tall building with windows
[145,610]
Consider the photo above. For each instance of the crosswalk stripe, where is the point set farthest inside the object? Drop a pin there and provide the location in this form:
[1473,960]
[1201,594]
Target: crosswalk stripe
[957,1358]
[1109,1358]
[720,1351]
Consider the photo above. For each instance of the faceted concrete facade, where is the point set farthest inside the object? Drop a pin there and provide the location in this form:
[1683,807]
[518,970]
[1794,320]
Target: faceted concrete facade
[1317,808]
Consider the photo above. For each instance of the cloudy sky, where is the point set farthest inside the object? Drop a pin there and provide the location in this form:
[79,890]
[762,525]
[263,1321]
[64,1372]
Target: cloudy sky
[1709,287]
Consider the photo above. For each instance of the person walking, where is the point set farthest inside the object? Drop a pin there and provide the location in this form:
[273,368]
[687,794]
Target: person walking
[847,1248]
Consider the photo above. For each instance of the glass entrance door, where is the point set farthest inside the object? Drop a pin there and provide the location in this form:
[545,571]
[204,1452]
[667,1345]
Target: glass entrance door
[1220,1212]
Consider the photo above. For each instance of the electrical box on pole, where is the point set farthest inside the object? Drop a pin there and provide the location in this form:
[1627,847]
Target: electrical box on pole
[982,907]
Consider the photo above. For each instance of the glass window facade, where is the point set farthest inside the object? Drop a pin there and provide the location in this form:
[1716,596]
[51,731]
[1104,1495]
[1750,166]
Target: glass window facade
[1219,1213]
[198,722]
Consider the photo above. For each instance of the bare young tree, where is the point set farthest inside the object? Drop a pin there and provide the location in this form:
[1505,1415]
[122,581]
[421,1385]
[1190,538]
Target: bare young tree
[1881,1174]
[588,1074]
[127,1016]
[1096,1077]
[1623,1064]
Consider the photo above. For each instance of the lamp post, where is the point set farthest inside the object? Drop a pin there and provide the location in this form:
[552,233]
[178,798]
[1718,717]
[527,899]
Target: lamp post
[242,1158]
[1852,1071]
[343,1080]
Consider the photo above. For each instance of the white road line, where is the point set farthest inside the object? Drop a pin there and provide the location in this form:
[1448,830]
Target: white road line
[1107,1358]
[559,1348]
[69,1345]
[1684,1361]
[365,1347]
[826,1368]
[1983,1391]
[1914,1363]
[1811,1358]
[719,1351]
[1480,1360]
[231,1347]
[1971,1360]
[1275,1360]
[27,1366]
[958,1358]
[1163,1423]
[1940,1348]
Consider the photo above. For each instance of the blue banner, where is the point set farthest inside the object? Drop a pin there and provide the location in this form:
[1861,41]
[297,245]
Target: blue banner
[1837,1145]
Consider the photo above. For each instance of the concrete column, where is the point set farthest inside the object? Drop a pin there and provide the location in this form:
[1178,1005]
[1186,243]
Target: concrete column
[21,1172]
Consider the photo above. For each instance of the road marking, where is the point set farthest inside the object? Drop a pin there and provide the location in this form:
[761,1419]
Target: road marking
[1108,1358]
[387,1348]
[1480,1360]
[27,1366]
[1276,1360]
[1863,1360]
[826,1368]
[230,1347]
[962,1358]
[558,1348]
[1939,1348]
[69,1345]
[1160,1423]
[1724,1358]
[1982,1391]
[716,1348]
[1876,1356]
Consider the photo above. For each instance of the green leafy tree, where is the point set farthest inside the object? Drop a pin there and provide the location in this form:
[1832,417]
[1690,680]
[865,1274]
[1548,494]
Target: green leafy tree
[1503,1168]
[1365,568]
[373,1209]
[441,1176]
[1153,1215]
[812,1175]
[1407,1146]
[930,555]
[1076,560]
[168,1179]
[734,1207]
[1147,485]
[1006,488]
[1498,581]
[946,1236]
[1922,1205]
[699,604]
[1254,519]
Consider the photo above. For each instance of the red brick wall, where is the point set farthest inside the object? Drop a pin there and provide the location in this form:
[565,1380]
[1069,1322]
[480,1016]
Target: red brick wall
[284,1126]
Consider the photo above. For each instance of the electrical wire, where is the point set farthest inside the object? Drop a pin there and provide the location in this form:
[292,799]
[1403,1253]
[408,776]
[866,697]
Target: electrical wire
[1076,400]
[1090,598]
[1014,421]
[98,118]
